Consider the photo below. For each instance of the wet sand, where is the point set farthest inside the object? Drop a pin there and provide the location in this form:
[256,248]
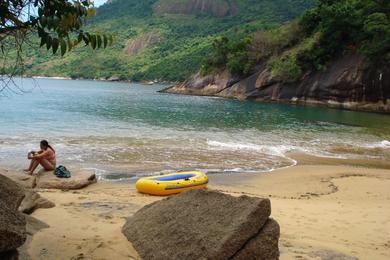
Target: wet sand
[326,208]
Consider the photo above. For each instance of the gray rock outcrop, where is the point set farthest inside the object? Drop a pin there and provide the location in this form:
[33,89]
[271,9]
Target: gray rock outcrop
[347,83]
[133,47]
[201,224]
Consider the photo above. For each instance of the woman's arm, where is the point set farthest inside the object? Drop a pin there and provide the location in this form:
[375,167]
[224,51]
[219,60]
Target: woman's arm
[40,154]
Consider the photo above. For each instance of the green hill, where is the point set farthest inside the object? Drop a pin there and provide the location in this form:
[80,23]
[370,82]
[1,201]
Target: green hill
[162,39]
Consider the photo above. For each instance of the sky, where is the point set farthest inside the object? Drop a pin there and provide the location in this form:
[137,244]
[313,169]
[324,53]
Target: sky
[99,2]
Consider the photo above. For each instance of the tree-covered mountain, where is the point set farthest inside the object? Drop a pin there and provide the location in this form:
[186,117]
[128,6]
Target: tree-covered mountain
[162,39]
[337,54]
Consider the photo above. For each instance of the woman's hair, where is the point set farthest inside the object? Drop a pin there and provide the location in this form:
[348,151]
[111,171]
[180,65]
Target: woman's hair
[45,143]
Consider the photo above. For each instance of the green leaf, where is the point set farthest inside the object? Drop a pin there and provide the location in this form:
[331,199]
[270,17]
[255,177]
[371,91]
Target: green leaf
[48,42]
[92,39]
[105,41]
[99,41]
[56,22]
[86,39]
[80,37]
[70,45]
[41,32]
[43,21]
[110,40]
[63,47]
[50,23]
[43,41]
[55,44]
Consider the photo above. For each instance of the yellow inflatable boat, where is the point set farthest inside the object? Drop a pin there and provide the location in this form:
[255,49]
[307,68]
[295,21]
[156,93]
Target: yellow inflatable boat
[172,183]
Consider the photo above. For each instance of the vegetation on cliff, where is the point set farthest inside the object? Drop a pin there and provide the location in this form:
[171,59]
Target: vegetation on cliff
[161,39]
[330,29]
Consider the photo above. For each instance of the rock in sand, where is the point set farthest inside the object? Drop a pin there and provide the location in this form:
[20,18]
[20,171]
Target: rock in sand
[79,180]
[47,180]
[201,224]
[12,222]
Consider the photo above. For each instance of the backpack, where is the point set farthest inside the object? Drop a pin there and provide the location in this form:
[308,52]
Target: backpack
[62,172]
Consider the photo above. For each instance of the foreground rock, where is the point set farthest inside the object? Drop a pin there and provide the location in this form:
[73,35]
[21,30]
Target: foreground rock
[33,201]
[202,224]
[33,226]
[15,227]
[47,180]
[347,83]
[12,222]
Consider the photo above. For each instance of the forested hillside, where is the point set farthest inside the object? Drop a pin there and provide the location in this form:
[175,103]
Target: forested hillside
[162,39]
[329,30]
[337,54]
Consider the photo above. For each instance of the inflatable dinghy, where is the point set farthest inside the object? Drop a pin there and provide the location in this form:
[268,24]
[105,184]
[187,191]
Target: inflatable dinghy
[173,183]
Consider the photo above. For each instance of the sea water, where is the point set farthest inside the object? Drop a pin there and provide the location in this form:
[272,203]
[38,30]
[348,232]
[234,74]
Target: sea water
[124,130]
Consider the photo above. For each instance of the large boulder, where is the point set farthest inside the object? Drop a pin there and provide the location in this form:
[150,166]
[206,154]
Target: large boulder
[201,224]
[33,226]
[263,246]
[11,194]
[24,180]
[47,180]
[12,222]
[12,228]
[79,180]
[16,192]
[16,228]
[33,201]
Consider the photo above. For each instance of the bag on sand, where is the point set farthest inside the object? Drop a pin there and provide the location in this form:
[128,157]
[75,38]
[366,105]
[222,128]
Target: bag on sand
[62,172]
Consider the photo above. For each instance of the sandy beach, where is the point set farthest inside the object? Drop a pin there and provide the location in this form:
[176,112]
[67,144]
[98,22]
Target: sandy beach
[326,208]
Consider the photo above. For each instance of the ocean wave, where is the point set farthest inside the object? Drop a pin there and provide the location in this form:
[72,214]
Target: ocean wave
[276,150]
[381,144]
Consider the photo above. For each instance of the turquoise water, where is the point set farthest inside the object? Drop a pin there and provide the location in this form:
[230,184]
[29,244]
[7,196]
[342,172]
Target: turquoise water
[121,130]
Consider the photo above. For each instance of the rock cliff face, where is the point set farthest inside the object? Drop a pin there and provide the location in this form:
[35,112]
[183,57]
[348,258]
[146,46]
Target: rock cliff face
[346,84]
[146,40]
[219,8]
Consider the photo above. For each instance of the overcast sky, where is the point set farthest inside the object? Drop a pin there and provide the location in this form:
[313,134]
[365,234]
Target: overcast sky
[100,2]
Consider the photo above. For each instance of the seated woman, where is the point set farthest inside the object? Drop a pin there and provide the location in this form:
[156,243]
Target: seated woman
[45,157]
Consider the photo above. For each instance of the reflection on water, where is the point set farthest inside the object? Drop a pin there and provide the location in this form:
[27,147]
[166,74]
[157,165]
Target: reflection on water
[122,129]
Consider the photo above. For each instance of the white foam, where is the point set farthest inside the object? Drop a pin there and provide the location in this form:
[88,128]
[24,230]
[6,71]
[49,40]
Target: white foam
[276,150]
[234,146]
[381,144]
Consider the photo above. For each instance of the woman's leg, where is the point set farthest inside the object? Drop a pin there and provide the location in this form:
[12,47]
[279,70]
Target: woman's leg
[48,166]
[29,168]
[33,166]
[31,163]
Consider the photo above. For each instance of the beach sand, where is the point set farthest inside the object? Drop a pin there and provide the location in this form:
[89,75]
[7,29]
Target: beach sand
[326,208]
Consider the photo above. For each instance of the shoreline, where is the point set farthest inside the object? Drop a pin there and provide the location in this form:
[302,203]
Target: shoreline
[325,207]
[141,82]
[364,107]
